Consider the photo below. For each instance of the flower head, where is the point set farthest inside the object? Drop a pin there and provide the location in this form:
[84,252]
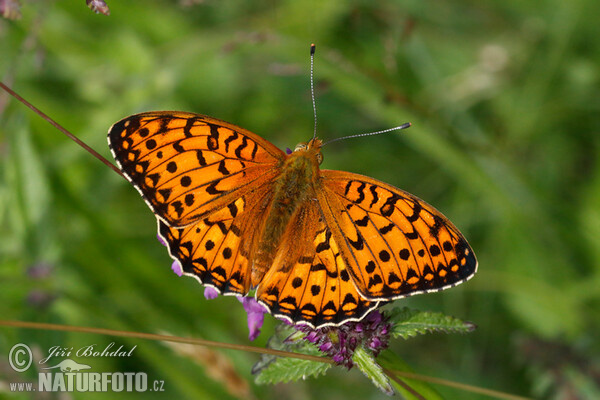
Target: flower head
[10,9]
[256,315]
[98,6]
[161,240]
[210,293]
[340,342]
[41,270]
[40,299]
[176,267]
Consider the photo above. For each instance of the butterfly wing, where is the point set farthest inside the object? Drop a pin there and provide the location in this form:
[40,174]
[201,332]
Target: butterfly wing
[216,249]
[206,181]
[187,166]
[395,245]
[309,280]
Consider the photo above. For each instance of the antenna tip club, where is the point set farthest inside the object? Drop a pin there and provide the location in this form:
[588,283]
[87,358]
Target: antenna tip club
[406,125]
[312,49]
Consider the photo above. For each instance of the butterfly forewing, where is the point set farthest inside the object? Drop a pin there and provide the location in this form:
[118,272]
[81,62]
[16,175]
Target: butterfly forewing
[394,243]
[189,165]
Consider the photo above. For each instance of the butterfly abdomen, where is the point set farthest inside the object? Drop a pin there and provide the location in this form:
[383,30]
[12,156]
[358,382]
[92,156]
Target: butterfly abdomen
[292,189]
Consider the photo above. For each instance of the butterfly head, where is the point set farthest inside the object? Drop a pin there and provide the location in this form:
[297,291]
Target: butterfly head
[311,149]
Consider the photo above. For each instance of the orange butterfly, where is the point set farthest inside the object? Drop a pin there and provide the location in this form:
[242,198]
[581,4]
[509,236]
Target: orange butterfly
[320,247]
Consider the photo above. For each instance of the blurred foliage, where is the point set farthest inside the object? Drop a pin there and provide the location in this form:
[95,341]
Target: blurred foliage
[503,97]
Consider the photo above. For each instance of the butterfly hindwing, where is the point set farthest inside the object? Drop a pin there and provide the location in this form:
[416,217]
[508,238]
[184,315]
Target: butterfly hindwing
[395,244]
[188,165]
[217,248]
[309,281]
[209,250]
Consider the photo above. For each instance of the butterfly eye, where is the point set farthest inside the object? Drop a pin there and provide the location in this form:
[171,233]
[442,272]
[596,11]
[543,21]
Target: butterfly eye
[319,158]
[300,146]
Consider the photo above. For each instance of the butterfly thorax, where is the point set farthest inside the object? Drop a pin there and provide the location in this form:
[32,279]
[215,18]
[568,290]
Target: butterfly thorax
[294,187]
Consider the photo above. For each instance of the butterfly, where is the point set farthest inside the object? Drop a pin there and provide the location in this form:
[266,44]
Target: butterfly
[317,247]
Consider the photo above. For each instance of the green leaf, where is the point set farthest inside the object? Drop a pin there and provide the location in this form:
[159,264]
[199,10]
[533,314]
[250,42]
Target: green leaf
[34,191]
[367,364]
[407,323]
[272,369]
[290,369]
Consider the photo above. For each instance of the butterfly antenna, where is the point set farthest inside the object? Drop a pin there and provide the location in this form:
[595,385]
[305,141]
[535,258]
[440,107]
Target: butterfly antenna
[398,128]
[312,87]
[60,128]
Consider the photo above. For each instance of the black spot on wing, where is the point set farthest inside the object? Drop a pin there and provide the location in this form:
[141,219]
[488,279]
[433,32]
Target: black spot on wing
[404,254]
[373,190]
[150,144]
[238,150]
[233,210]
[437,225]
[412,235]
[212,189]
[416,211]
[164,125]
[222,168]
[361,193]
[387,209]
[359,244]
[349,299]
[234,135]
[220,272]
[364,221]
[189,199]
[374,280]
[344,276]
[200,158]
[385,229]
[212,141]
[165,193]
[178,147]
[324,245]
[347,188]
[187,129]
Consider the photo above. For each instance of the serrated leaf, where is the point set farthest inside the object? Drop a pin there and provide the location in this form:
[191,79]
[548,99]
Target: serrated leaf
[408,322]
[365,361]
[276,342]
[290,369]
[272,369]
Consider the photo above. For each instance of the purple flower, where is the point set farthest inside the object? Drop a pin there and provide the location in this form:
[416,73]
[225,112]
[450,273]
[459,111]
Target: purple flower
[98,6]
[41,270]
[288,151]
[161,240]
[210,293]
[40,299]
[256,315]
[10,9]
[176,267]
[340,342]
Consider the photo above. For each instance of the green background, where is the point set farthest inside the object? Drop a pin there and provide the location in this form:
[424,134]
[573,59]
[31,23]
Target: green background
[504,100]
